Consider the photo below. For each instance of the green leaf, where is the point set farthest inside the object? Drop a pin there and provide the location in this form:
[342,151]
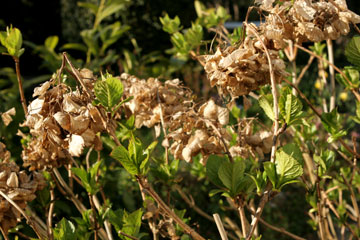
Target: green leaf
[74,46]
[132,223]
[288,167]
[352,77]
[194,35]
[110,9]
[215,191]
[12,41]
[290,107]
[270,170]
[212,167]
[231,175]
[122,155]
[51,42]
[91,6]
[84,177]
[352,51]
[65,230]
[332,124]
[266,105]
[170,25]
[109,92]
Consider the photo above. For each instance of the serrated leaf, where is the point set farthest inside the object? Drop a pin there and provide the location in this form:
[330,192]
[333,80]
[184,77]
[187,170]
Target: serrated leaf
[352,51]
[116,218]
[287,167]
[231,175]
[212,167]
[194,35]
[132,223]
[122,155]
[267,107]
[109,92]
[65,230]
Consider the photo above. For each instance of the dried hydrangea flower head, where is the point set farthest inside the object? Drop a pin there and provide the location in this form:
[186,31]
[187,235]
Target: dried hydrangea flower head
[18,186]
[62,122]
[153,98]
[306,20]
[237,71]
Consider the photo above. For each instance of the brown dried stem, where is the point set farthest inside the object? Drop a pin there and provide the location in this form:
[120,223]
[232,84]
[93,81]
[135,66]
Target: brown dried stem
[303,71]
[50,214]
[146,186]
[127,235]
[21,90]
[267,193]
[332,73]
[353,90]
[281,230]
[319,115]
[243,220]
[4,234]
[40,232]
[192,205]
[220,226]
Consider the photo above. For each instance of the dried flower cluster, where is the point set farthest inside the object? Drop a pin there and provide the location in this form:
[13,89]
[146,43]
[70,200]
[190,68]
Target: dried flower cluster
[62,122]
[190,130]
[154,99]
[18,186]
[306,20]
[238,71]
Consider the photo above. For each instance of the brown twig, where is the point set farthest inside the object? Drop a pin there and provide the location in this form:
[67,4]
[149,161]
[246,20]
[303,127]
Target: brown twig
[127,235]
[50,214]
[220,227]
[332,73]
[267,193]
[21,90]
[281,230]
[192,205]
[319,115]
[304,70]
[4,234]
[145,186]
[353,90]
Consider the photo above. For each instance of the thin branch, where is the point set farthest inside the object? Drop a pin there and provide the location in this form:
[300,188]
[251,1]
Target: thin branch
[272,227]
[267,193]
[319,115]
[220,227]
[21,90]
[192,205]
[4,234]
[243,220]
[145,186]
[50,214]
[332,73]
[304,70]
[353,90]
[127,235]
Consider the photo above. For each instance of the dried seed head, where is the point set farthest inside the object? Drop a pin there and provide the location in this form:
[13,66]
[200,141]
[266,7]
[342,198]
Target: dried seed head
[62,122]
[306,20]
[19,187]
